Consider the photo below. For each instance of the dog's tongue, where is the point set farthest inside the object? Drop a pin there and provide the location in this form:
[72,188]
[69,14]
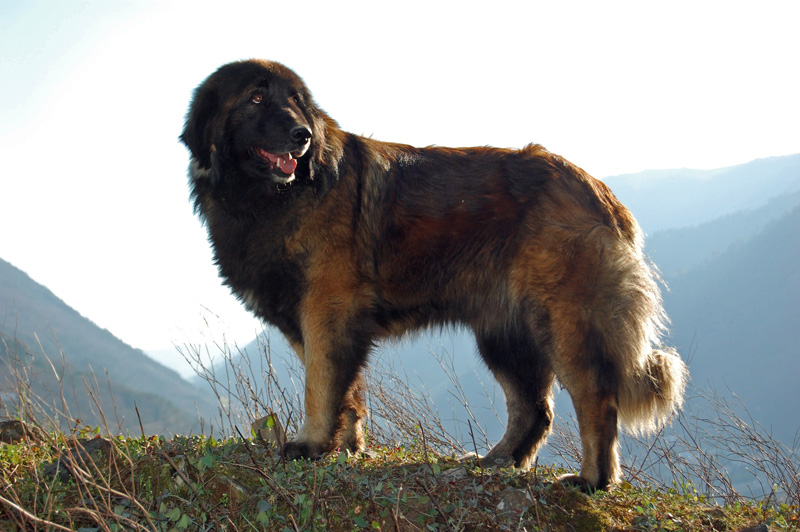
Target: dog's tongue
[284,161]
[287,163]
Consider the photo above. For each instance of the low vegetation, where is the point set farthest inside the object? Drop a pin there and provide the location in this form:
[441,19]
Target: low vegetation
[56,474]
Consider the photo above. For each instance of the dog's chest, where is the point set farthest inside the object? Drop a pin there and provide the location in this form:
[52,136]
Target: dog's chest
[254,263]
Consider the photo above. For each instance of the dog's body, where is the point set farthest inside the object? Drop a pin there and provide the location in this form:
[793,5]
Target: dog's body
[340,240]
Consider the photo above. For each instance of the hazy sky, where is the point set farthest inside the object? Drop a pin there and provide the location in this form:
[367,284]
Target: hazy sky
[93,195]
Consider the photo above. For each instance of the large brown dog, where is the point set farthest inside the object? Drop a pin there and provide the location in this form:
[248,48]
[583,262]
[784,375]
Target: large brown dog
[339,240]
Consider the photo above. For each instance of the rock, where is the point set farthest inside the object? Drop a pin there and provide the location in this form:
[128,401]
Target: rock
[757,528]
[80,458]
[270,430]
[176,472]
[453,475]
[370,454]
[14,430]
[180,463]
[497,461]
[716,517]
[513,502]
[222,485]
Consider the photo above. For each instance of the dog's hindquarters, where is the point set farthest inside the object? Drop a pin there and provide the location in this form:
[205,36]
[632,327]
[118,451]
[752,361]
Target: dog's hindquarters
[622,321]
[604,317]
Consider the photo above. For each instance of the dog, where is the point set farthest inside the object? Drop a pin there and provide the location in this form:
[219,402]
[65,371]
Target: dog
[340,240]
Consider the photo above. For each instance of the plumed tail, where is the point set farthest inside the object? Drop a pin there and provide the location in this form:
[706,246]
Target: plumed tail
[649,397]
[651,378]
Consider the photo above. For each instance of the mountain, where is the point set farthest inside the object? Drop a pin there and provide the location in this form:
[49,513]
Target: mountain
[668,199]
[34,323]
[736,317]
[677,251]
[726,242]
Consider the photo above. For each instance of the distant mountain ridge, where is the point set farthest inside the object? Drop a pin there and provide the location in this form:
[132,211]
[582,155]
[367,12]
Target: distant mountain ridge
[676,251]
[33,319]
[670,199]
[736,317]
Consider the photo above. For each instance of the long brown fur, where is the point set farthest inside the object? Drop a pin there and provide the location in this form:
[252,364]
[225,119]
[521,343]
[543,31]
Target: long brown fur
[363,240]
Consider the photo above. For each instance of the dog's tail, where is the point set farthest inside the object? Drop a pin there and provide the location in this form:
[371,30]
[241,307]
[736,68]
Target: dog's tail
[652,379]
[650,395]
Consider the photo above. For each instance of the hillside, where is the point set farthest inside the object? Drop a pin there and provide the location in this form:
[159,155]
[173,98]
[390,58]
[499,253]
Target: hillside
[33,319]
[676,251]
[668,199]
[737,317]
[235,484]
[735,288]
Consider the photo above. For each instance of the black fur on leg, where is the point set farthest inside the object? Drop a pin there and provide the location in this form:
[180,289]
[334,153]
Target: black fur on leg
[527,379]
[301,450]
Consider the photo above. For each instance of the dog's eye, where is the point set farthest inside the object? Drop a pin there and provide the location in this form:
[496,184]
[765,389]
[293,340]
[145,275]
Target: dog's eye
[296,98]
[257,97]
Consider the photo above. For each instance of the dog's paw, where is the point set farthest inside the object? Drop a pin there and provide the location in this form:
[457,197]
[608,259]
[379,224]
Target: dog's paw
[296,450]
[575,481]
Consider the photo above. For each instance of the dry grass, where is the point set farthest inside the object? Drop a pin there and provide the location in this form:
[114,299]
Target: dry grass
[409,479]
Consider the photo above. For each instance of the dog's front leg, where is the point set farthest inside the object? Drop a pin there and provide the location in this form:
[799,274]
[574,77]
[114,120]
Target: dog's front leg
[335,347]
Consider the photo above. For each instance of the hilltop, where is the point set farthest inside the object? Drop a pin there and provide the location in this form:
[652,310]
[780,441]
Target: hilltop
[236,484]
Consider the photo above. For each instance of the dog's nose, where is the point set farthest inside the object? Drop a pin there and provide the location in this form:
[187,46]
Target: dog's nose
[300,134]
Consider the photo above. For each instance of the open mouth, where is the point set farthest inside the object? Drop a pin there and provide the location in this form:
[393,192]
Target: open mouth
[285,162]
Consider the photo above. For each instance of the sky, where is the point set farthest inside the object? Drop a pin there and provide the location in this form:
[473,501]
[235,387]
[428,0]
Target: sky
[93,94]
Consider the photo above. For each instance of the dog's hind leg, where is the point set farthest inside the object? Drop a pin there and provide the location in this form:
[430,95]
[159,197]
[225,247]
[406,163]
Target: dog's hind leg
[592,381]
[527,380]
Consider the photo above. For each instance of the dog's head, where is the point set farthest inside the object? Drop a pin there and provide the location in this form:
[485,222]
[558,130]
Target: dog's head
[256,119]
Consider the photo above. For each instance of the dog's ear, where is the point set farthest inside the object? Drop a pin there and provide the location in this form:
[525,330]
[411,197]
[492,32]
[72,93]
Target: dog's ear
[318,141]
[198,132]
[326,148]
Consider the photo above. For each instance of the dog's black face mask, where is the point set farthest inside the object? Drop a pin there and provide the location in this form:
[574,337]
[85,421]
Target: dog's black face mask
[269,132]
[256,119]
